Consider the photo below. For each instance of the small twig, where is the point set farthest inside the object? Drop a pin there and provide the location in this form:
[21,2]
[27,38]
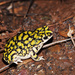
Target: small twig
[68,18]
[5,67]
[9,7]
[73,41]
[1,50]
[70,32]
[25,16]
[31,1]
[13,11]
[43,47]
[3,3]
[12,7]
[57,42]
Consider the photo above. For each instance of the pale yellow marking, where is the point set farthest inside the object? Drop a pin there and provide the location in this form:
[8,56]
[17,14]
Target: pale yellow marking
[48,31]
[8,61]
[25,37]
[8,50]
[33,56]
[35,36]
[39,28]
[36,31]
[43,35]
[13,43]
[31,53]
[6,45]
[11,47]
[29,32]
[20,54]
[9,39]
[18,50]
[9,56]
[10,43]
[35,50]
[5,49]
[32,33]
[15,37]
[27,50]
[26,42]
[25,32]
[20,44]
[33,42]
[15,47]
[4,58]
[25,47]
[29,45]
[24,52]
[20,36]
[41,32]
[38,42]
[46,27]
[4,54]
[29,39]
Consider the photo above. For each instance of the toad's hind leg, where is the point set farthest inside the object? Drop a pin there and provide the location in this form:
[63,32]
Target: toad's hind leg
[14,57]
[35,57]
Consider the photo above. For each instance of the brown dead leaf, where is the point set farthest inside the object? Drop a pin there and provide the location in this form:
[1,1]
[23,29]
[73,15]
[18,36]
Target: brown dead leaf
[55,48]
[63,32]
[16,10]
[2,3]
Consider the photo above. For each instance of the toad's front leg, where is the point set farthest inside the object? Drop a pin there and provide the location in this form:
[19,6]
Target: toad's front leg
[35,57]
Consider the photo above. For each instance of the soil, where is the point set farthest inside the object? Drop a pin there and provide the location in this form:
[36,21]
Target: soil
[58,15]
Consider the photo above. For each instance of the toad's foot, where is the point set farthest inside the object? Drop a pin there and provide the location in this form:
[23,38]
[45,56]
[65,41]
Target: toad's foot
[41,58]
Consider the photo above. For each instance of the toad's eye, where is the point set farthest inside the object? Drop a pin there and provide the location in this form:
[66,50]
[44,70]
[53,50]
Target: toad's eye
[45,37]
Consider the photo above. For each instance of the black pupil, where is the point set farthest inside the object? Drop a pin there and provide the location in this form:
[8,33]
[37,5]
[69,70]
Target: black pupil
[45,37]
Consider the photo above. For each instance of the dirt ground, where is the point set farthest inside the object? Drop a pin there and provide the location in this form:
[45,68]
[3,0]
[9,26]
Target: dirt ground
[59,16]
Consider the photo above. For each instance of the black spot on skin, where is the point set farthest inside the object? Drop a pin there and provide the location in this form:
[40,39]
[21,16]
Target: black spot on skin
[33,52]
[20,47]
[21,52]
[12,55]
[50,34]
[36,48]
[45,37]
[23,36]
